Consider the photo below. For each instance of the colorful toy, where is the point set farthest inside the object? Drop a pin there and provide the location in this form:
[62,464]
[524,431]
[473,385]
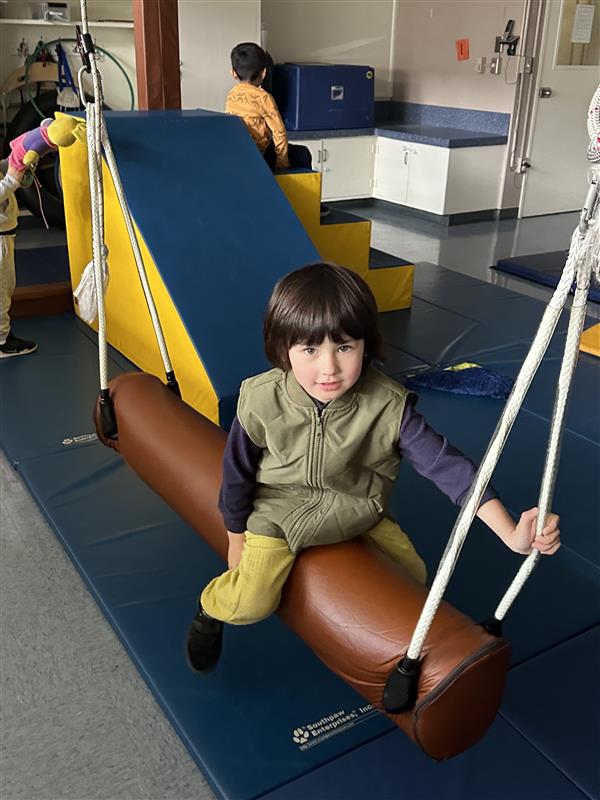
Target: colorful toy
[29,147]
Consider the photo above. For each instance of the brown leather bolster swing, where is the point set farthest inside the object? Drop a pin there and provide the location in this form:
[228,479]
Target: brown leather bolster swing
[349,603]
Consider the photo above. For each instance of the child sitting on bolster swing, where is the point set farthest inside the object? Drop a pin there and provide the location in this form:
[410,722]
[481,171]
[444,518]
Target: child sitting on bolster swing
[314,450]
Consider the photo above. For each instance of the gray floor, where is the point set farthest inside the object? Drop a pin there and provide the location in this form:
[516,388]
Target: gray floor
[78,722]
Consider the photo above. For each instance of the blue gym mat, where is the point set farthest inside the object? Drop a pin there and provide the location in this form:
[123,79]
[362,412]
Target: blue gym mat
[500,767]
[39,265]
[553,700]
[144,566]
[581,417]
[544,268]
[475,299]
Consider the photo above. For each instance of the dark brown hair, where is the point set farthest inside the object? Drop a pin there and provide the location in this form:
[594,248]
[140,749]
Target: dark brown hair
[316,302]
[248,61]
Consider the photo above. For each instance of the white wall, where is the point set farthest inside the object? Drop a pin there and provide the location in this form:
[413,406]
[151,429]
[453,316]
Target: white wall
[353,32]
[118,41]
[208,30]
[426,67]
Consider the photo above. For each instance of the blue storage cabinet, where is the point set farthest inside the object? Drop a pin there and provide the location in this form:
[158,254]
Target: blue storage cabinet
[324,96]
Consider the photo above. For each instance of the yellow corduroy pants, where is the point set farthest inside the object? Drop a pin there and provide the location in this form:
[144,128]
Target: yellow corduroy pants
[252,591]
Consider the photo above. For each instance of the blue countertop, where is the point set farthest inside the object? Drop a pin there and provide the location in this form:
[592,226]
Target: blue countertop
[438,136]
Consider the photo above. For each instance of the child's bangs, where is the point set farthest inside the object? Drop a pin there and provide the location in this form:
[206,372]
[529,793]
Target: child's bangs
[336,321]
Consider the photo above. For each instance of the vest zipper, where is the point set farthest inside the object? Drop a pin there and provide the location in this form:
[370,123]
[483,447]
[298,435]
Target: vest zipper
[318,450]
[316,460]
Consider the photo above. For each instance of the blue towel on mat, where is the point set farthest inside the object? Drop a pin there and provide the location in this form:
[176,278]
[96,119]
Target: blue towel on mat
[472,380]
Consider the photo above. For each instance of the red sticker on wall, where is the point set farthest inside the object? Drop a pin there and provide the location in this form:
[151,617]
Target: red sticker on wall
[462,49]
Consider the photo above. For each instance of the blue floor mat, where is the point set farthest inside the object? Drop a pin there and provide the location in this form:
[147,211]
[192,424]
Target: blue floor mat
[543,268]
[553,700]
[39,265]
[399,363]
[49,396]
[425,332]
[582,417]
[518,474]
[478,300]
[145,567]
[502,766]
[450,323]
[486,567]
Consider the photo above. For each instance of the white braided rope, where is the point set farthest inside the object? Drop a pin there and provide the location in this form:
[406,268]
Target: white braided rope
[98,250]
[482,478]
[582,249]
[590,257]
[84,16]
[94,113]
[593,126]
[137,254]
[97,137]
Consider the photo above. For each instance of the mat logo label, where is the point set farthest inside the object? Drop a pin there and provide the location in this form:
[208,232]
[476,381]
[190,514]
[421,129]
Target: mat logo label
[300,736]
[81,439]
[314,733]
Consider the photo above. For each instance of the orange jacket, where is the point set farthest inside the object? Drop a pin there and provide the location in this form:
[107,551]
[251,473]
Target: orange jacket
[258,110]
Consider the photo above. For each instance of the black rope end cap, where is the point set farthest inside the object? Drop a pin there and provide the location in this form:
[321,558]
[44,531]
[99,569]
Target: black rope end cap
[108,419]
[172,384]
[401,689]
[493,626]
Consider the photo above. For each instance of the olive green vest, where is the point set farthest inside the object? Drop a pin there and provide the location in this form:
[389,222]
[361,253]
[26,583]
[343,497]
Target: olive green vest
[323,477]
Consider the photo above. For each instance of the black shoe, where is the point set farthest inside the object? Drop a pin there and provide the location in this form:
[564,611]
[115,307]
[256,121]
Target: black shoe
[324,211]
[204,639]
[16,347]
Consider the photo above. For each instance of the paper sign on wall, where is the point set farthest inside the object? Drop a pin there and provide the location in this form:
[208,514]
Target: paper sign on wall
[582,24]
[462,49]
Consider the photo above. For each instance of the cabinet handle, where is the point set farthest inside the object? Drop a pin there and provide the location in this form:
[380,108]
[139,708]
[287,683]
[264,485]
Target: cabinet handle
[318,156]
[406,157]
[325,154]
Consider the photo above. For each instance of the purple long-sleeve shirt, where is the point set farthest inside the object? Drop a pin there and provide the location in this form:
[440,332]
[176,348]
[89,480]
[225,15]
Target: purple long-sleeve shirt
[430,454]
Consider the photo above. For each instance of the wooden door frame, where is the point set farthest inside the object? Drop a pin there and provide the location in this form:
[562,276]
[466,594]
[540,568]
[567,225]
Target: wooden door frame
[156,32]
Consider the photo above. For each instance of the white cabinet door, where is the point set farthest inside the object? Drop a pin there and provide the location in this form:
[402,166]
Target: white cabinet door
[347,167]
[391,170]
[474,178]
[427,177]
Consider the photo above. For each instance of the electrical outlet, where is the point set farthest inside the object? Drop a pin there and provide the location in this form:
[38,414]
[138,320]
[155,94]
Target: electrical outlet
[480,65]
[495,65]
